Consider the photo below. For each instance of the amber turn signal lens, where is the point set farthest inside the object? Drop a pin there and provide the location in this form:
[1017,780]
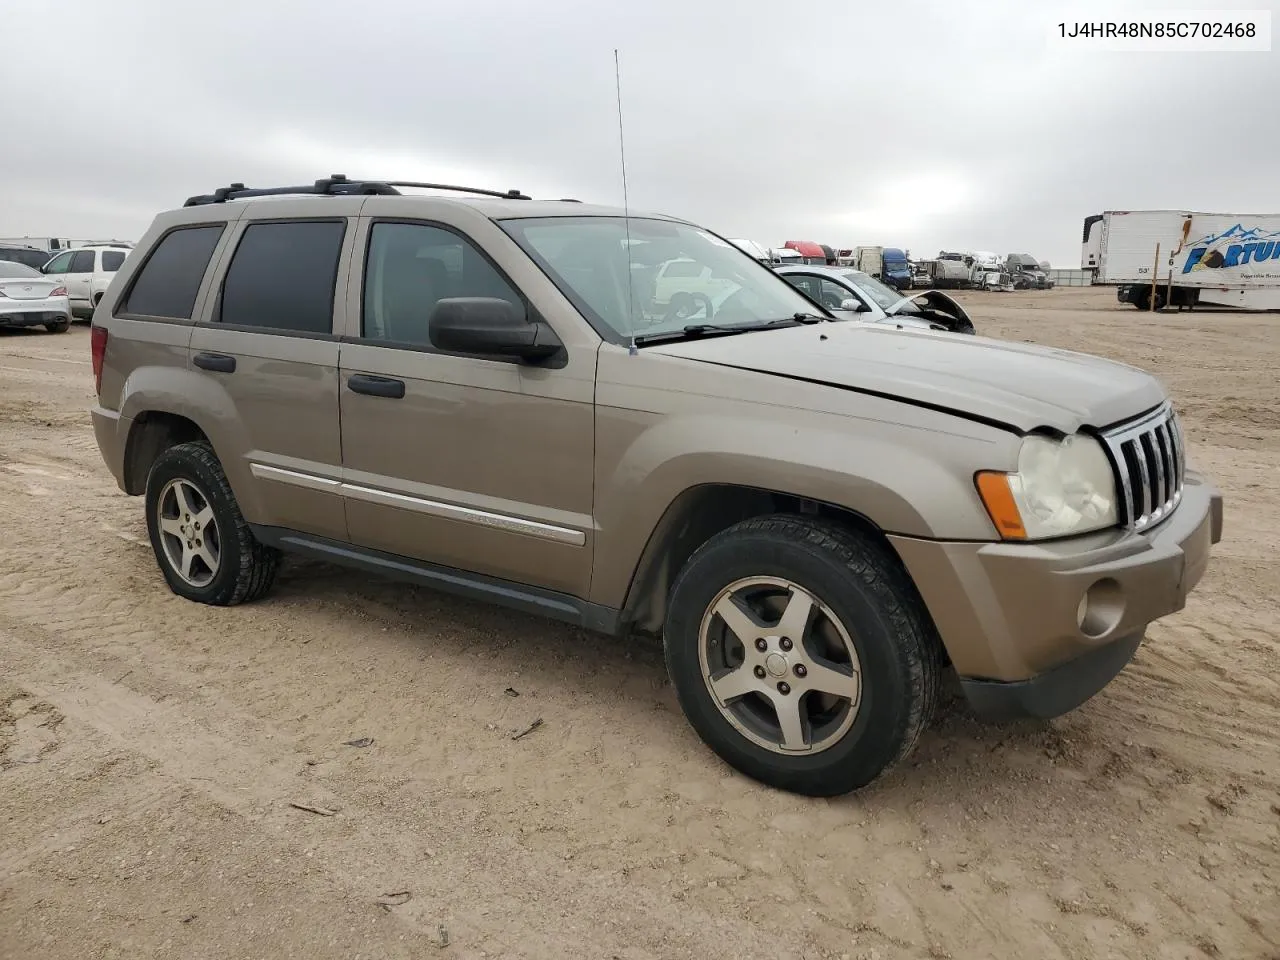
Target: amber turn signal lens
[997,497]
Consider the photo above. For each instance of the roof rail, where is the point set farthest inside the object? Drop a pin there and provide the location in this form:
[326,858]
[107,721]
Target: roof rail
[338,185]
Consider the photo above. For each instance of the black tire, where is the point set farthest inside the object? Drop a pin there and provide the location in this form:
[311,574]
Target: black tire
[897,646]
[246,569]
[58,326]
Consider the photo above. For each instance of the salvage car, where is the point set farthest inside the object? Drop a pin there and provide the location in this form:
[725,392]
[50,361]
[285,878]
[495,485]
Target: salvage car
[816,517]
[852,292]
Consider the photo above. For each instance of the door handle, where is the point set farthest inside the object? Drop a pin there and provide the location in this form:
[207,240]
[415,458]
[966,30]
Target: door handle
[376,386]
[217,362]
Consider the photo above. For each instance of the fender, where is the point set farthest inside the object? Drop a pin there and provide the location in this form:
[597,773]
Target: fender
[909,480]
[203,401]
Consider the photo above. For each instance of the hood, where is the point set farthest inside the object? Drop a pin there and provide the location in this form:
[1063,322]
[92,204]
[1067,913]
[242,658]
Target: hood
[1015,385]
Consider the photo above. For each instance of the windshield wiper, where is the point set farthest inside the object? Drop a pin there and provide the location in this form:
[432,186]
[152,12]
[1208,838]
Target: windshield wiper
[693,330]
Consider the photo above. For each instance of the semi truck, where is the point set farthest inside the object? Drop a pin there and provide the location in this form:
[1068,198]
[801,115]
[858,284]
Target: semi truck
[889,265]
[1208,259]
[1027,272]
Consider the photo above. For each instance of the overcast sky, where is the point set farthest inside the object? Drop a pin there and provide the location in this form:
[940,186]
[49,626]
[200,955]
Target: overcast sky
[924,125]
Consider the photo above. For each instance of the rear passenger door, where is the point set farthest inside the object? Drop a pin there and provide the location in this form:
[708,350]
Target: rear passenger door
[79,279]
[267,341]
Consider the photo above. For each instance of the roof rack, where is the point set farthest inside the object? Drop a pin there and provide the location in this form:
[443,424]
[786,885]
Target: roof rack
[339,185]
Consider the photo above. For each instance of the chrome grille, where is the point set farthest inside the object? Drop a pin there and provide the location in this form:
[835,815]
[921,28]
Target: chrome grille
[1150,465]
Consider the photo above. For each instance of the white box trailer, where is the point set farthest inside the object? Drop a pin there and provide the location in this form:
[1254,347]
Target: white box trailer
[1209,259]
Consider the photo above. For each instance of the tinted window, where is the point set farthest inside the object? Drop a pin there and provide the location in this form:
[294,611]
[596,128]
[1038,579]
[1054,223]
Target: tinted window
[59,263]
[112,259]
[282,276]
[32,258]
[410,268]
[81,262]
[168,282]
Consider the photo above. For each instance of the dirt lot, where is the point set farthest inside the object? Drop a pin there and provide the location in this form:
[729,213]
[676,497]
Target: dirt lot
[150,748]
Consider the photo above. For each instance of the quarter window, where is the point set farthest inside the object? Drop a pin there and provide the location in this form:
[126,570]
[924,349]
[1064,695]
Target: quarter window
[168,282]
[282,276]
[112,260]
[410,268]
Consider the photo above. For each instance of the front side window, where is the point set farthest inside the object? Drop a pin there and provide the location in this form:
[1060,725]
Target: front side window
[410,268]
[112,260]
[81,262]
[626,276]
[59,264]
[885,296]
[169,281]
[282,276]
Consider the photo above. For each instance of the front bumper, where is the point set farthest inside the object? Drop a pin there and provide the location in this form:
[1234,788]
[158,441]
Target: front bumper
[1010,614]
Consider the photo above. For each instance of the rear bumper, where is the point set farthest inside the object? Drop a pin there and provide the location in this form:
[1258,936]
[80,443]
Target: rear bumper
[32,316]
[1010,614]
[111,431]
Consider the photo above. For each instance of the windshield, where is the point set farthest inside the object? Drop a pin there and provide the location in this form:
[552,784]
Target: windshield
[10,270]
[884,296]
[679,275]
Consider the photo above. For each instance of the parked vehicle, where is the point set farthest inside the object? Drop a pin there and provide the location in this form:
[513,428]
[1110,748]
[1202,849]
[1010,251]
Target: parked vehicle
[811,252]
[887,264]
[86,272]
[30,256]
[1047,270]
[29,299]
[1215,259]
[868,300]
[815,516]
[952,270]
[1026,272]
[921,273]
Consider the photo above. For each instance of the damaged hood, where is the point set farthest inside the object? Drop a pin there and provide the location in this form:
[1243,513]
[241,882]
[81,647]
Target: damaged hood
[1017,385]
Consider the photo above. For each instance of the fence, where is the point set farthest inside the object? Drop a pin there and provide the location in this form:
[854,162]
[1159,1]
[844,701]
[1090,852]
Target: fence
[1063,277]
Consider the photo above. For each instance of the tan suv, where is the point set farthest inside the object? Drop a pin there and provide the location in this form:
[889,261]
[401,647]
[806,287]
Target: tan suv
[483,393]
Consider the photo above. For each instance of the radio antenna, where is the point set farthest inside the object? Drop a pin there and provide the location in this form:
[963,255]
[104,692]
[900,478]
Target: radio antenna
[626,205]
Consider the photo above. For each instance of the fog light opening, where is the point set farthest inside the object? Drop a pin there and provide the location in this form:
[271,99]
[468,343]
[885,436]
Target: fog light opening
[1100,608]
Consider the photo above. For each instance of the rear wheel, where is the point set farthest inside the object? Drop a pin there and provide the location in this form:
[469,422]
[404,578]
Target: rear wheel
[202,543]
[58,326]
[801,654]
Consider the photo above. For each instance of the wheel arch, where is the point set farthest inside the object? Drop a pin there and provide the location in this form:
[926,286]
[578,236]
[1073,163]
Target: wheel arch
[701,512]
[151,433]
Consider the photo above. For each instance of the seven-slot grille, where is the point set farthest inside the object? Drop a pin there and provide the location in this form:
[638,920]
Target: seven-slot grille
[1150,466]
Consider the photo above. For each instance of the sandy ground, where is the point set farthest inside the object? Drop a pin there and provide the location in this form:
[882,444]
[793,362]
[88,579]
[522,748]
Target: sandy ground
[150,748]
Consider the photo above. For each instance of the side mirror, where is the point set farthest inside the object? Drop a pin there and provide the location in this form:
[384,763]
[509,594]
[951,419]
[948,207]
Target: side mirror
[490,327]
[852,304]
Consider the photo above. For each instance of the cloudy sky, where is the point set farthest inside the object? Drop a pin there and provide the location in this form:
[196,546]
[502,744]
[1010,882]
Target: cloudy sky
[925,125]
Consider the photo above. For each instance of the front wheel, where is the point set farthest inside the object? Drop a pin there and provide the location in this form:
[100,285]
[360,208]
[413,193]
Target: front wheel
[202,543]
[801,654]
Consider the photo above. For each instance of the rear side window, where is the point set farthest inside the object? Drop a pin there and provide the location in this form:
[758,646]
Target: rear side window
[168,282]
[112,259]
[81,262]
[282,276]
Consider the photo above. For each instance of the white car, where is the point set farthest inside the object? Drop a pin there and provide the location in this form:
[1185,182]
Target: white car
[850,291]
[86,272]
[30,299]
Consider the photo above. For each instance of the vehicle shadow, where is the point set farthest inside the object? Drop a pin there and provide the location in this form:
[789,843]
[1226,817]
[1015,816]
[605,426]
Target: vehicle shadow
[958,750]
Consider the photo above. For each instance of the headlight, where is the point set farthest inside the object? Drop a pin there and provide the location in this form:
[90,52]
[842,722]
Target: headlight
[1062,487]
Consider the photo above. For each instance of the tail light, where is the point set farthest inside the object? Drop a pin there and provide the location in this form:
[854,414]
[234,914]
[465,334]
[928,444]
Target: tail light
[60,292]
[98,346]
